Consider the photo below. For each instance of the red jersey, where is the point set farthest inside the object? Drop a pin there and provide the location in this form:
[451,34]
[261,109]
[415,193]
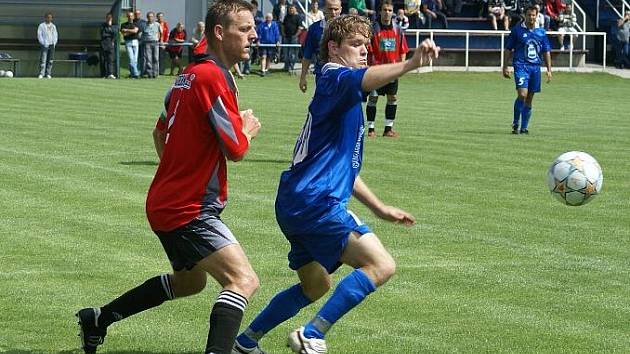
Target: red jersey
[387,45]
[201,46]
[203,127]
[164,31]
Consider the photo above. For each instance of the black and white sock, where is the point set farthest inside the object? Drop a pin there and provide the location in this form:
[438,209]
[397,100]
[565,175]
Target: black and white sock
[390,115]
[225,321]
[149,294]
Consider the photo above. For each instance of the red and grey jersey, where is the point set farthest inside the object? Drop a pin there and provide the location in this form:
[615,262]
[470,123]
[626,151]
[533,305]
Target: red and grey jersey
[388,44]
[203,127]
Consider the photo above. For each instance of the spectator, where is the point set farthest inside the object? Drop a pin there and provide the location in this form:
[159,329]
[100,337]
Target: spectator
[280,11]
[361,7]
[622,59]
[108,38]
[258,15]
[253,50]
[47,36]
[292,26]
[150,43]
[175,49]
[314,14]
[141,23]
[496,12]
[198,34]
[130,31]
[566,24]
[553,9]
[268,33]
[432,10]
[401,20]
[164,36]
[412,10]
[541,20]
[453,7]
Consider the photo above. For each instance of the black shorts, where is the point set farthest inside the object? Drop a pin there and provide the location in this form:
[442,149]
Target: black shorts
[174,55]
[187,245]
[389,89]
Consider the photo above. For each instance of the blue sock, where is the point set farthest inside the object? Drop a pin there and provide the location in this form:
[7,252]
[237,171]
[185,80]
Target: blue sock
[350,292]
[283,306]
[527,113]
[518,108]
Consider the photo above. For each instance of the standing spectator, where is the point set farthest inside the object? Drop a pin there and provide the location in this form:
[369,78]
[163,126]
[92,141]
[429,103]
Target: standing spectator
[622,57]
[175,49]
[314,14]
[130,31]
[108,40]
[292,26]
[541,20]
[190,190]
[412,10]
[332,10]
[432,10]
[150,43]
[141,24]
[388,46]
[164,36]
[259,17]
[496,11]
[529,47]
[566,24]
[401,20]
[47,36]
[268,33]
[361,7]
[280,10]
[253,49]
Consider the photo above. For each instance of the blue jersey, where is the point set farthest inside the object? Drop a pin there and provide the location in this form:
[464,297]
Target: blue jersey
[312,45]
[528,45]
[328,153]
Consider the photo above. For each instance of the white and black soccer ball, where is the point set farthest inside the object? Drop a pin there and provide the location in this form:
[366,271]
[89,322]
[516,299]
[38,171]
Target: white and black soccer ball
[8,73]
[575,178]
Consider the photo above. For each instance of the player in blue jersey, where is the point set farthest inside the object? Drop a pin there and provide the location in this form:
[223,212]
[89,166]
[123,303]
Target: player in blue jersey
[311,205]
[528,47]
[332,9]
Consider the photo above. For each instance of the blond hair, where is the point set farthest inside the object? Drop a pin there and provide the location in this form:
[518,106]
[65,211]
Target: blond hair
[341,28]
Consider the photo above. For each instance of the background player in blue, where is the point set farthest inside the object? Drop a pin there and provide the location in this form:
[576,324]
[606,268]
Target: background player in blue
[527,44]
[311,205]
[332,9]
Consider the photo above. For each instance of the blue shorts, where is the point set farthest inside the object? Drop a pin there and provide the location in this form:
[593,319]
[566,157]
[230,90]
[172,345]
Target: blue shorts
[324,242]
[267,52]
[527,76]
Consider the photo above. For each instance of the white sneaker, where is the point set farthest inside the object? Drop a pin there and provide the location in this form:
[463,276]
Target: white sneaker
[111,77]
[40,76]
[302,345]
[48,77]
[239,349]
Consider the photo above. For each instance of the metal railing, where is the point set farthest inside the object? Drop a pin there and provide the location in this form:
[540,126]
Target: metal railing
[467,33]
[624,7]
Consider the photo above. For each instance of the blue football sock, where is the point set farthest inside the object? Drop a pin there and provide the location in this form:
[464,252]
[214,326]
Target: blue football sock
[283,306]
[527,113]
[518,108]
[350,292]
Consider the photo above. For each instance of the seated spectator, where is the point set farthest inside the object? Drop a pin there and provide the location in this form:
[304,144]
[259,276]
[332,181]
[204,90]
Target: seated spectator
[175,49]
[553,9]
[361,7]
[496,12]
[268,33]
[314,14]
[432,10]
[566,24]
[412,11]
[453,7]
[401,20]
[622,57]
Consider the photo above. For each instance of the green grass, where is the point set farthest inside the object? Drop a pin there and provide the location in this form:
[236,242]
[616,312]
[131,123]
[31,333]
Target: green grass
[493,265]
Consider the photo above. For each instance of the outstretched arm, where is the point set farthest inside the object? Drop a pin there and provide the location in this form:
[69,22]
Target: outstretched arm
[379,75]
[385,212]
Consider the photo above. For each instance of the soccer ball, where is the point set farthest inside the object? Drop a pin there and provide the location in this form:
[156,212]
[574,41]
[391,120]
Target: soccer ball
[575,178]
[8,73]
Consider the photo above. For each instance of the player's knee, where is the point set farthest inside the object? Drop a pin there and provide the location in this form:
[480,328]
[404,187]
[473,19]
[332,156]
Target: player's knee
[315,290]
[384,270]
[246,283]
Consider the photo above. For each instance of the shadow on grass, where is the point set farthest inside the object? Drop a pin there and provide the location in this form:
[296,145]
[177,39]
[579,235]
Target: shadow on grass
[139,163]
[271,161]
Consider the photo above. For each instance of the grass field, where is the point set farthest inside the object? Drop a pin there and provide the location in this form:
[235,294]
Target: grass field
[493,265]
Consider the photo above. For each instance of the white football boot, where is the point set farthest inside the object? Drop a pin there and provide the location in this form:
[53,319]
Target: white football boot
[302,345]
[239,349]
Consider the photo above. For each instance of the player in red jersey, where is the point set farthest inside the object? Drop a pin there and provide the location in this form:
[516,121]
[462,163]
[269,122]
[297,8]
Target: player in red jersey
[388,45]
[201,128]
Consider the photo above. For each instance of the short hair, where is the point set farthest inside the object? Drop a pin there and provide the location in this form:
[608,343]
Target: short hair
[386,2]
[531,8]
[341,28]
[218,14]
[48,13]
[254,2]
